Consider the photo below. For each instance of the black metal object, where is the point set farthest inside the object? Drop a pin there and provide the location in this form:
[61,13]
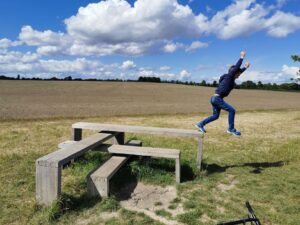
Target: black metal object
[252,218]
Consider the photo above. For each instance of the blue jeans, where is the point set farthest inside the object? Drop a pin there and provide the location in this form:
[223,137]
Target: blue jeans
[218,103]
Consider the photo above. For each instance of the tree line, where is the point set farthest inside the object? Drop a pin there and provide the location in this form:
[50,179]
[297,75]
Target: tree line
[293,86]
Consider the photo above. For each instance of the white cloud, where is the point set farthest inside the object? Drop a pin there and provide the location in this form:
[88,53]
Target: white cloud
[114,27]
[281,24]
[115,21]
[32,64]
[69,66]
[128,65]
[264,77]
[243,18]
[282,76]
[6,43]
[151,73]
[47,42]
[103,49]
[196,45]
[170,48]
[165,68]
[32,37]
[280,3]
[51,43]
[290,70]
[17,68]
[18,57]
[147,73]
[184,75]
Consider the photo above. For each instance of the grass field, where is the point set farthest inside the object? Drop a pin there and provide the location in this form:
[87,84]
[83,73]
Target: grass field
[44,99]
[261,166]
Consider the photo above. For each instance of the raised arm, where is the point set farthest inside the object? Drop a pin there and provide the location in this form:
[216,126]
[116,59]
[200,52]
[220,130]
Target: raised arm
[238,64]
[247,65]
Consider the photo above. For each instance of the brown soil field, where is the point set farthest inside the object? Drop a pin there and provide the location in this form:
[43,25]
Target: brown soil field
[44,99]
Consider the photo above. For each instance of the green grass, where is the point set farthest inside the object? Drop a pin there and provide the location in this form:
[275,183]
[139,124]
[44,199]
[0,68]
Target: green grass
[163,213]
[262,167]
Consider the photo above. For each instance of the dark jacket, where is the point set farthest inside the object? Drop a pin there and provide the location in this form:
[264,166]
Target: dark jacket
[226,82]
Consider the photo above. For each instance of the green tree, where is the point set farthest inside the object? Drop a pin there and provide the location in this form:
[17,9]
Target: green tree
[260,85]
[248,84]
[203,83]
[68,78]
[215,84]
[296,58]
[149,79]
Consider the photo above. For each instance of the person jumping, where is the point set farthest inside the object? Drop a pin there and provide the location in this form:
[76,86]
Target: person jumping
[226,84]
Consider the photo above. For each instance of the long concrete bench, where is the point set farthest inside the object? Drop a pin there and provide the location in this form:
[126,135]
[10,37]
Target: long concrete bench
[48,167]
[98,180]
[132,129]
[78,127]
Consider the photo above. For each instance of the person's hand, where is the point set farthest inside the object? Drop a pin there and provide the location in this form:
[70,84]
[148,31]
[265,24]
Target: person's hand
[247,65]
[243,54]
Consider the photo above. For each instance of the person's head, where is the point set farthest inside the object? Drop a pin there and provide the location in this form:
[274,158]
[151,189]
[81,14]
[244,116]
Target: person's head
[237,74]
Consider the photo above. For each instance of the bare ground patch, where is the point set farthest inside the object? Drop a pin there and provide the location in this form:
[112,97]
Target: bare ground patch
[229,185]
[149,199]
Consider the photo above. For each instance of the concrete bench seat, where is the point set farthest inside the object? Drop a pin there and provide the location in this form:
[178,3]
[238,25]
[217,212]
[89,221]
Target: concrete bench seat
[65,144]
[98,180]
[145,151]
[48,167]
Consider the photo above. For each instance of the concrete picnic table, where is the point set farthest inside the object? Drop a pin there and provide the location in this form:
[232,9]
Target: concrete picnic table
[49,167]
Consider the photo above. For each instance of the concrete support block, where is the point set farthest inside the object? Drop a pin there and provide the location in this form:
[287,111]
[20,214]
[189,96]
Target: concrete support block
[178,170]
[48,184]
[97,186]
[119,139]
[76,134]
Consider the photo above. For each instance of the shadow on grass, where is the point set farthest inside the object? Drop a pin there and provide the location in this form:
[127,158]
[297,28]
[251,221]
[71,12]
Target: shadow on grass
[123,183]
[69,203]
[257,167]
[78,203]
[166,167]
[126,180]
[187,173]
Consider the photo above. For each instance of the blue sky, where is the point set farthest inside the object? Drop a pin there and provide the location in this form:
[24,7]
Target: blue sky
[184,39]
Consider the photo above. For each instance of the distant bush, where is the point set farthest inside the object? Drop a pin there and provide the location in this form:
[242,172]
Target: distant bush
[149,79]
[2,77]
